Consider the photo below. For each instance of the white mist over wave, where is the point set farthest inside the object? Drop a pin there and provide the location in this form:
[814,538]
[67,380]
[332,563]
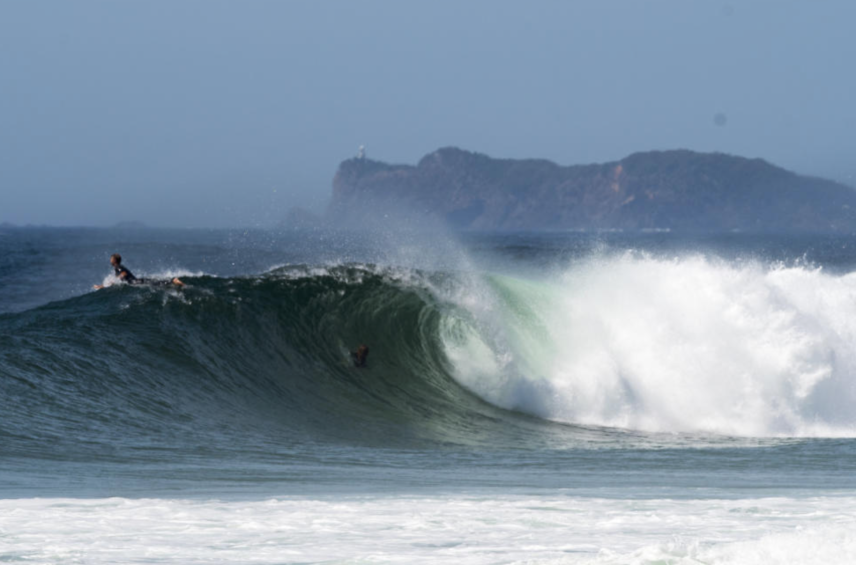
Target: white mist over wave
[465,530]
[691,344]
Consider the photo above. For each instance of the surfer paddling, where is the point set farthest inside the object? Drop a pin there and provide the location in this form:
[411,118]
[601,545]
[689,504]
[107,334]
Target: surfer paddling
[360,355]
[123,274]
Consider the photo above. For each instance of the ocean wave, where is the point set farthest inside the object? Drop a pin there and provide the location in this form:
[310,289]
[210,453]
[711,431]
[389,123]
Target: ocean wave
[689,345]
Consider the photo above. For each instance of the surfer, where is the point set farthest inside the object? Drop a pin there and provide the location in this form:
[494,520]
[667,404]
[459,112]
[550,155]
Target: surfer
[360,355]
[123,274]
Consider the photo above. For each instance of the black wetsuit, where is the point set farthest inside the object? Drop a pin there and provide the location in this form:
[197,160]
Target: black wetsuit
[124,274]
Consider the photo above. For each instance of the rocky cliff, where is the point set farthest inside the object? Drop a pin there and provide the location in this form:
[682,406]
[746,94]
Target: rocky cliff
[679,190]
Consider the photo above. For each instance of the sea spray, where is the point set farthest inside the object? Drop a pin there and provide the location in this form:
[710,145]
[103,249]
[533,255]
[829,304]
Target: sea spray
[677,345]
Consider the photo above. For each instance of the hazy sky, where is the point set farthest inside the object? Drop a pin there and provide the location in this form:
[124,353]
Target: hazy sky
[209,113]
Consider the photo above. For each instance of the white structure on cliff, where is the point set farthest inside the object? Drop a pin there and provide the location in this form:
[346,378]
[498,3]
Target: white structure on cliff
[361,153]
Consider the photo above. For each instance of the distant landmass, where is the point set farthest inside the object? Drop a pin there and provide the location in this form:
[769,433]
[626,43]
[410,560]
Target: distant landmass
[677,190]
[130,225]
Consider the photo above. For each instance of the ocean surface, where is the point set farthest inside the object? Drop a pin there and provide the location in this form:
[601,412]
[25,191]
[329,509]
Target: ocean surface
[529,398]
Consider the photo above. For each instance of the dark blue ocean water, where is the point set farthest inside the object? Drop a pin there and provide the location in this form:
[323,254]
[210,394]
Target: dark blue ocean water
[624,367]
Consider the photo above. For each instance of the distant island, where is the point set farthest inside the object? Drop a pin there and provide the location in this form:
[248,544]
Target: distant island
[670,190]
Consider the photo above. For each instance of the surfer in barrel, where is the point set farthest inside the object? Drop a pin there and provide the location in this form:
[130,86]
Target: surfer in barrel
[360,355]
[125,275]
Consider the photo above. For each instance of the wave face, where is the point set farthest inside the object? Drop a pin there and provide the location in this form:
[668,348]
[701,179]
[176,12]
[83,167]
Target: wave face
[628,341]
[268,354]
[680,345]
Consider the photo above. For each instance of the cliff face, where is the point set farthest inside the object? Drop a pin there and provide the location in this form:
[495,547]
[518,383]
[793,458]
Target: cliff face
[679,190]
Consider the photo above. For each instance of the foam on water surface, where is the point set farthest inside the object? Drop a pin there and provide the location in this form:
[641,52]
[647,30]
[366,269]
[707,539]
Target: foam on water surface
[467,530]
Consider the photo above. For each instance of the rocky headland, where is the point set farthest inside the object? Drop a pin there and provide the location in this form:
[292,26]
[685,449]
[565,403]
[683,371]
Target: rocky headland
[676,190]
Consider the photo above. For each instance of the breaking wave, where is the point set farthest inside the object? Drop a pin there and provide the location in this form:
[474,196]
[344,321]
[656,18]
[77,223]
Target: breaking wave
[694,345]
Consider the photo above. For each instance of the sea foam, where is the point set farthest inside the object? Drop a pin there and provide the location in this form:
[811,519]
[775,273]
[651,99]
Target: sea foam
[464,530]
[690,344]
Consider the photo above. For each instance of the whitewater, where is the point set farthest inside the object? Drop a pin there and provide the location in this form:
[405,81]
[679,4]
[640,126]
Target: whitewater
[553,398]
[673,345]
